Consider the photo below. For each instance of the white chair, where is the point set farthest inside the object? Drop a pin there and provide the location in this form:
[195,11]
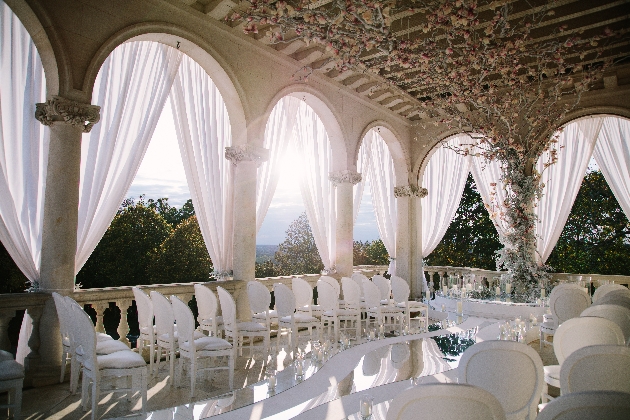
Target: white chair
[617,314]
[382,314]
[352,297]
[359,279]
[604,289]
[259,303]
[565,302]
[67,351]
[207,306]
[384,287]
[615,299]
[145,324]
[333,315]
[290,319]
[193,349]
[596,368]
[11,380]
[445,402]
[592,405]
[335,284]
[304,297]
[511,371]
[400,294]
[575,334]
[237,331]
[124,363]
[105,344]
[165,334]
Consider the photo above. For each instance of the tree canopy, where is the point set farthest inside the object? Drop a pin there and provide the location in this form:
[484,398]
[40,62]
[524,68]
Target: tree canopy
[298,253]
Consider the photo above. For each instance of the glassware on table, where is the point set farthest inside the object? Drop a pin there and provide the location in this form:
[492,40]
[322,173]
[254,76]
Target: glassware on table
[366,403]
[271,379]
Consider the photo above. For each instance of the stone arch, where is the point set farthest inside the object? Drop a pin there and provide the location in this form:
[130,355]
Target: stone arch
[418,170]
[401,160]
[326,112]
[202,53]
[56,83]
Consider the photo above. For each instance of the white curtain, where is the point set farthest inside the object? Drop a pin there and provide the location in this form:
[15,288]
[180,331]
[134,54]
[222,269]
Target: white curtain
[381,177]
[131,89]
[444,178]
[612,154]
[363,162]
[486,173]
[203,132]
[23,145]
[318,193]
[562,181]
[278,135]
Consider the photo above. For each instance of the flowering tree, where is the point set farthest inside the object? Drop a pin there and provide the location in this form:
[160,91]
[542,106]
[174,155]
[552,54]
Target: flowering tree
[499,70]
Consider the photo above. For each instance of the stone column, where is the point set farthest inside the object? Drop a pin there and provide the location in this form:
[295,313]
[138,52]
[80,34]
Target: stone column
[67,121]
[246,159]
[408,240]
[343,182]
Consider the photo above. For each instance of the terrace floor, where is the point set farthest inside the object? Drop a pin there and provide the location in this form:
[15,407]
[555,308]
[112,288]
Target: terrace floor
[56,401]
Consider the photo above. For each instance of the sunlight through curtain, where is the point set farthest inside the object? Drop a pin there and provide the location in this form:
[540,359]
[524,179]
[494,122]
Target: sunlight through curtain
[363,162]
[612,154]
[486,173]
[278,134]
[379,170]
[23,145]
[131,88]
[444,178]
[318,193]
[203,132]
[562,182]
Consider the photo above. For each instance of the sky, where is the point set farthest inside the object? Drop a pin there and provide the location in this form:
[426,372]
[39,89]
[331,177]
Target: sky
[161,174]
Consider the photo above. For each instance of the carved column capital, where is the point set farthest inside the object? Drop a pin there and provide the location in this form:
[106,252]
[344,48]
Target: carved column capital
[410,191]
[345,177]
[83,116]
[246,152]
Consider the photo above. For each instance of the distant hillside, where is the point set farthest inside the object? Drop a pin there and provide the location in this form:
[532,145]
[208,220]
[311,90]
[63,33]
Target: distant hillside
[265,252]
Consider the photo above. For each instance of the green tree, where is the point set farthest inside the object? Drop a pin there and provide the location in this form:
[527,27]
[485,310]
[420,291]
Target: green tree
[298,253]
[128,248]
[172,215]
[471,239]
[596,238]
[12,280]
[375,253]
[359,256]
[183,256]
[266,268]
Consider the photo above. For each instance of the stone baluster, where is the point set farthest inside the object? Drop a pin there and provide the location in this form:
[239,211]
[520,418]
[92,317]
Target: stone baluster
[100,307]
[430,279]
[123,325]
[5,318]
[443,278]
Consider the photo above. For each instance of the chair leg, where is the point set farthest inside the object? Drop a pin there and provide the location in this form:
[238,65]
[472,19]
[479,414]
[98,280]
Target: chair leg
[95,393]
[231,358]
[151,355]
[130,385]
[180,369]
[193,374]
[16,401]
[143,390]
[85,392]
[171,365]
[64,361]
[75,371]
[158,358]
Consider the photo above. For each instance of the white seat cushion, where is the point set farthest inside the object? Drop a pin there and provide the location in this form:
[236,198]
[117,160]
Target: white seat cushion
[165,337]
[218,320]
[147,330]
[552,375]
[208,343]
[250,326]
[103,337]
[299,318]
[387,310]
[412,305]
[10,369]
[110,346]
[120,360]
[273,315]
[5,355]
[341,312]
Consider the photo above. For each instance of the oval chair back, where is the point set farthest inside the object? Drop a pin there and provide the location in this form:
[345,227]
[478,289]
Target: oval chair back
[351,293]
[511,371]
[568,301]
[163,311]
[334,283]
[327,296]
[588,405]
[185,320]
[604,289]
[614,299]
[384,286]
[303,292]
[228,310]
[400,289]
[145,309]
[359,279]
[585,331]
[445,401]
[259,297]
[207,304]
[285,300]
[617,314]
[596,368]
[372,294]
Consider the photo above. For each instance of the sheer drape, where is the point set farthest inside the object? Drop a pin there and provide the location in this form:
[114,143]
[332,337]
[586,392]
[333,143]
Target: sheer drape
[562,182]
[485,173]
[278,134]
[318,193]
[23,145]
[363,162]
[380,174]
[612,154]
[131,89]
[203,132]
[444,178]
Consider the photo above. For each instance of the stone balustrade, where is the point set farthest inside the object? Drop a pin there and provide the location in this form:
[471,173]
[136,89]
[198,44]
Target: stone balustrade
[106,302]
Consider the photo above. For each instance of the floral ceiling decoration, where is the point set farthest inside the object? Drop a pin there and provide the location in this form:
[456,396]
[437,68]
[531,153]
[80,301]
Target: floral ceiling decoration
[508,71]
